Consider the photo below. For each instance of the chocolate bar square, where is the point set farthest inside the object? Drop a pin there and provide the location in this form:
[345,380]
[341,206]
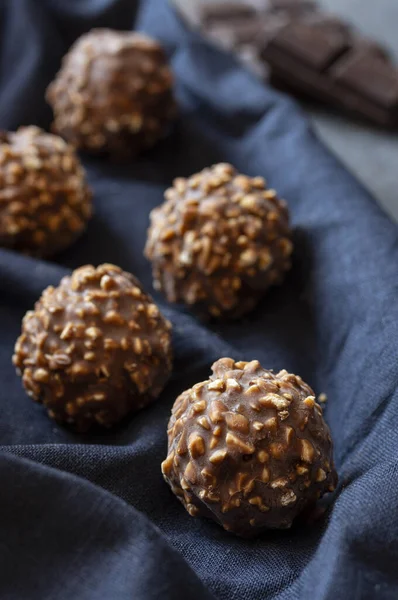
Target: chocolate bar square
[367,74]
[315,46]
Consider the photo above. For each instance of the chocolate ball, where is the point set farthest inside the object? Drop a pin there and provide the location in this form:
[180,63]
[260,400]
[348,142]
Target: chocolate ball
[113,93]
[95,348]
[45,202]
[248,448]
[219,241]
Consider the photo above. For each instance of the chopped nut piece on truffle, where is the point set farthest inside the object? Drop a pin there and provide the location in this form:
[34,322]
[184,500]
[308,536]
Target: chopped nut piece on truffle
[45,202]
[84,367]
[219,241]
[113,93]
[265,470]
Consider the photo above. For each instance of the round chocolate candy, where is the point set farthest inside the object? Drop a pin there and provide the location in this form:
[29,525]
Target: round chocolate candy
[113,93]
[45,202]
[219,241]
[95,348]
[248,448]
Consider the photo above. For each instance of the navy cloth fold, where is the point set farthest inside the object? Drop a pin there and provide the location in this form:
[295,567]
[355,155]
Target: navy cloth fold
[90,517]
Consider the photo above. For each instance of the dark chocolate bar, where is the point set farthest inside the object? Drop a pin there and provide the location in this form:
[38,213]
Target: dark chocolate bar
[310,53]
[226,13]
[288,4]
[313,46]
[335,68]
[369,83]
[294,8]
[233,11]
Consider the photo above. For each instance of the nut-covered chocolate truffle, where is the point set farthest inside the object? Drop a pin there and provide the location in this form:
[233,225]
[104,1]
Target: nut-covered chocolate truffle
[113,93]
[219,241]
[45,202]
[95,348]
[248,448]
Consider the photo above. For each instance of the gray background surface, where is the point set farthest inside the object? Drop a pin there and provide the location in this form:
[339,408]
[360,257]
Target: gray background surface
[371,154]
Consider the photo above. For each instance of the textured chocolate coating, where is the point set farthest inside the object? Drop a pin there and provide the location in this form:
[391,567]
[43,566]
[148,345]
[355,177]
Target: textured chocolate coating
[113,93]
[45,202]
[219,241]
[248,448]
[95,348]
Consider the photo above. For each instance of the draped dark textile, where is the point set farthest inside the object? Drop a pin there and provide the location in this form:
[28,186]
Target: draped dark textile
[89,517]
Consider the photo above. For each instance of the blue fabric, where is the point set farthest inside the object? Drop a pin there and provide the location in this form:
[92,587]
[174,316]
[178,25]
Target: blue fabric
[89,517]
